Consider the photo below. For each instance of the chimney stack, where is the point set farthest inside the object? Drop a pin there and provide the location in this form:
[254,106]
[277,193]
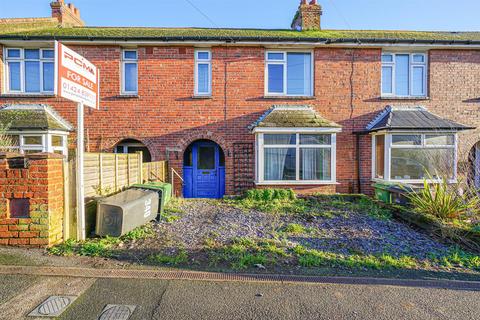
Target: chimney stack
[67,15]
[307,16]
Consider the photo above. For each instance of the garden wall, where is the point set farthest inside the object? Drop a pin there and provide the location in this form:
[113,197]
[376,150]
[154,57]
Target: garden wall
[31,199]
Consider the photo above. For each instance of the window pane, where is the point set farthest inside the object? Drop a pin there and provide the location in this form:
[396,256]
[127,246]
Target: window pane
[418,164]
[322,139]
[407,140]
[203,78]
[32,76]
[272,139]
[280,164]
[13,53]
[387,58]
[32,54]
[380,157]
[418,58]
[299,73]
[402,74]
[48,54]
[130,55]
[418,81]
[203,55]
[57,141]
[275,78]
[315,164]
[48,76]
[131,75]
[387,80]
[206,158]
[32,140]
[14,76]
[275,56]
[441,140]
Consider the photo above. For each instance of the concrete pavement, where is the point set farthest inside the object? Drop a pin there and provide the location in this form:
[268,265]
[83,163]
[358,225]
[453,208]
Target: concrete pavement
[190,299]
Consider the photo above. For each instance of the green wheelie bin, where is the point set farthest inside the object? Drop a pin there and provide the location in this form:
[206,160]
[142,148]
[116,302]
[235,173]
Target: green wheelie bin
[164,192]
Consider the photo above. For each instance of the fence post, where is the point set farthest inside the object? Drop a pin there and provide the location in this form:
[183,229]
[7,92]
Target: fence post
[100,170]
[128,169]
[116,172]
[140,166]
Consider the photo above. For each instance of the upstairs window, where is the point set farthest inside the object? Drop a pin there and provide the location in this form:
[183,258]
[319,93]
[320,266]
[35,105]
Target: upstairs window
[30,70]
[130,72]
[404,74]
[289,73]
[203,73]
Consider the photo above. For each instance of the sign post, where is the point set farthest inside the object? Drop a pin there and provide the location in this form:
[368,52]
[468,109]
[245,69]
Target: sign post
[77,79]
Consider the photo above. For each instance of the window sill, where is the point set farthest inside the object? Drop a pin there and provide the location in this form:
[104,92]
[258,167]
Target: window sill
[420,182]
[289,97]
[27,95]
[128,96]
[202,97]
[404,98]
[296,183]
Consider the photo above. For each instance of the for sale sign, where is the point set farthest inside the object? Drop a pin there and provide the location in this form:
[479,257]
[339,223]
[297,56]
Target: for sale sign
[77,78]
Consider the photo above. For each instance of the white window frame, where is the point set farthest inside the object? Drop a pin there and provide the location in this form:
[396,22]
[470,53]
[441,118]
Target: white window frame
[411,67]
[124,62]
[46,145]
[260,147]
[284,63]
[388,154]
[208,62]
[22,61]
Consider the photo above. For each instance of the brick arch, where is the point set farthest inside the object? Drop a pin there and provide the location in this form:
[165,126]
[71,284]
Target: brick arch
[147,142]
[194,136]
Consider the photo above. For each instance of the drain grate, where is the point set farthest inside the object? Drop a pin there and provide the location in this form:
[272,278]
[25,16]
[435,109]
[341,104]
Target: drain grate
[117,312]
[52,307]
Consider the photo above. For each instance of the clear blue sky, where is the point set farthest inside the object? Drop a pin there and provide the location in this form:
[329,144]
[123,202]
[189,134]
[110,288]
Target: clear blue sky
[454,15]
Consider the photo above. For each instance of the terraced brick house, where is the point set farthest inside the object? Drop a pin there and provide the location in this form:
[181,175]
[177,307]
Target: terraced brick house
[306,108]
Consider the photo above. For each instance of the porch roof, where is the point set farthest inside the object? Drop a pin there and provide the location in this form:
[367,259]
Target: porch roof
[39,117]
[292,117]
[412,118]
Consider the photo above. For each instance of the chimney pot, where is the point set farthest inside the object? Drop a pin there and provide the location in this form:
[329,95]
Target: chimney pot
[308,16]
[66,14]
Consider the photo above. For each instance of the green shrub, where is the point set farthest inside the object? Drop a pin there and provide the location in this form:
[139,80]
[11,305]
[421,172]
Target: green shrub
[443,202]
[270,194]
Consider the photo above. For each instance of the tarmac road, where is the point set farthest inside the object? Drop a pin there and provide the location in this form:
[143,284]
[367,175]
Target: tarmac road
[182,299]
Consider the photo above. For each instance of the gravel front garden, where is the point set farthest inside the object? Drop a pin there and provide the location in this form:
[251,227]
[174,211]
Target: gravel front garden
[314,235]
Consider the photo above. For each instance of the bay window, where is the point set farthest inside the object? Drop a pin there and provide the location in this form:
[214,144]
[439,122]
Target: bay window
[35,142]
[408,157]
[30,71]
[296,158]
[289,73]
[404,74]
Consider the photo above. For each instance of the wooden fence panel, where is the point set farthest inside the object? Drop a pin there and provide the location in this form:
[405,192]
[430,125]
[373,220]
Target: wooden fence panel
[105,174]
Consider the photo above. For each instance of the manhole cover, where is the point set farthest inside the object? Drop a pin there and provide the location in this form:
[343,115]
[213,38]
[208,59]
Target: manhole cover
[53,306]
[117,312]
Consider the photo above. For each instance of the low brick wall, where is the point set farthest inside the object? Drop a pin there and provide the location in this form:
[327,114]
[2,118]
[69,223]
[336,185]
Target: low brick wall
[31,199]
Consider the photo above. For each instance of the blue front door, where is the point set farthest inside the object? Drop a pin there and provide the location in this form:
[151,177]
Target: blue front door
[204,171]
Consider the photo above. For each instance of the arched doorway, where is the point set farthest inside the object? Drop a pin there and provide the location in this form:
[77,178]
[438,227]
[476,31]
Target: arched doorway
[204,170]
[133,146]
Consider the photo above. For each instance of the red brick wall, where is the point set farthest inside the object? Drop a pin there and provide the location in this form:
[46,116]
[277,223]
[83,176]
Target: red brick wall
[347,91]
[42,184]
